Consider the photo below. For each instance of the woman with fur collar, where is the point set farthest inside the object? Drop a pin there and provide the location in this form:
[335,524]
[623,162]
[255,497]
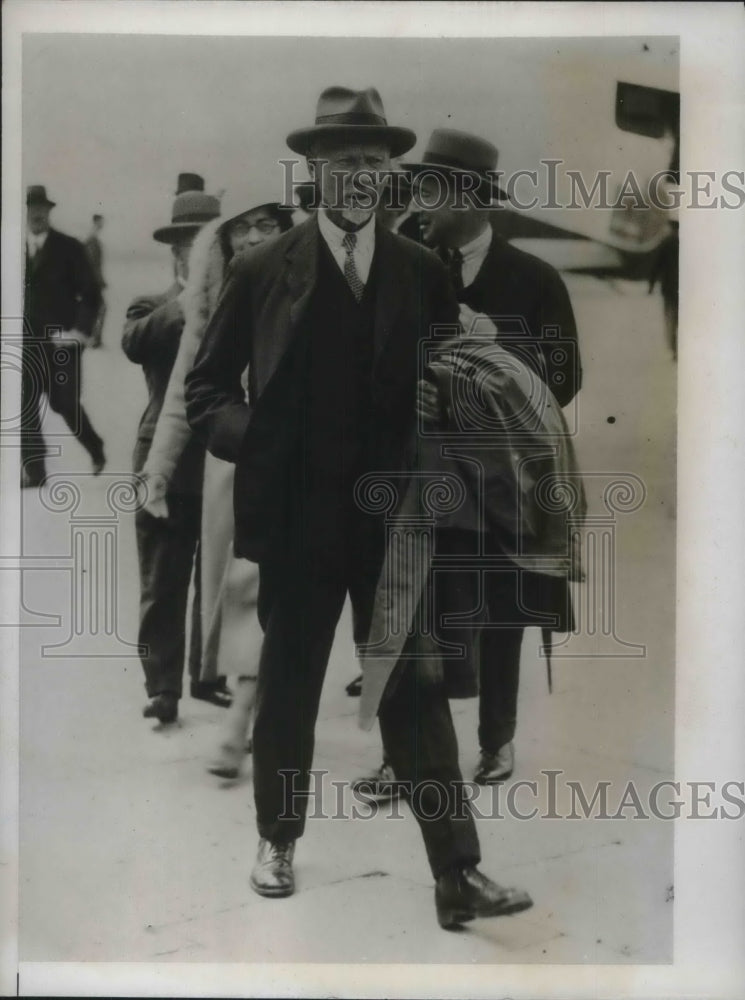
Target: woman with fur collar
[229,586]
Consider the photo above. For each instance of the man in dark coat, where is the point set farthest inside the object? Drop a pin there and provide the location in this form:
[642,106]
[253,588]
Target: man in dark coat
[328,318]
[523,303]
[167,546]
[61,299]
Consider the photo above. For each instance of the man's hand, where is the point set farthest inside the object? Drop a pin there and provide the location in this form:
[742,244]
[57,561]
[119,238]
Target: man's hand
[428,401]
[156,485]
[476,324]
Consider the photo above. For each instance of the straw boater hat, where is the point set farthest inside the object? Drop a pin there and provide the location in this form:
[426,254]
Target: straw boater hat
[358,113]
[192,208]
[36,194]
[451,153]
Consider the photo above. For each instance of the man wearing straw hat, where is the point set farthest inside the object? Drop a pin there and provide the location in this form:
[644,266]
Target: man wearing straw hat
[166,546]
[328,318]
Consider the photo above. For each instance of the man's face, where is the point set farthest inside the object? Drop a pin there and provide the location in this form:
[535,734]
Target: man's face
[440,225]
[253,228]
[37,218]
[347,187]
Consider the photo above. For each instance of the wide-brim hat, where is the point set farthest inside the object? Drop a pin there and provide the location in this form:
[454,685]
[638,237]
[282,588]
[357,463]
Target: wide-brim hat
[191,210]
[452,153]
[359,113]
[235,206]
[36,194]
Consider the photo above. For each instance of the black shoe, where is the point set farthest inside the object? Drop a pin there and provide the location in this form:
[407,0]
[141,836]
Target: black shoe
[99,463]
[32,480]
[354,688]
[216,692]
[227,764]
[462,894]
[495,767]
[163,707]
[380,786]
[272,874]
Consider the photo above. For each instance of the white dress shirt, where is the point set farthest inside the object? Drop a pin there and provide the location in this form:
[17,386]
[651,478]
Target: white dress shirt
[474,254]
[34,243]
[363,251]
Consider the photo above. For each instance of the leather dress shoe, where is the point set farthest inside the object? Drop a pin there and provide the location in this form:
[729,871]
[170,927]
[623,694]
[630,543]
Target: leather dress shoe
[99,463]
[163,707]
[495,767]
[380,786]
[228,762]
[462,894]
[272,873]
[216,692]
[354,688]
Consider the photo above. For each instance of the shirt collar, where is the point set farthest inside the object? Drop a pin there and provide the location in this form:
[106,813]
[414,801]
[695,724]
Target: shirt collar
[334,234]
[37,239]
[477,249]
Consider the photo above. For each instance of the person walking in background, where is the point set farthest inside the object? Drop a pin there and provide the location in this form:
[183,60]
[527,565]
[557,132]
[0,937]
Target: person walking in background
[94,249]
[229,586]
[61,300]
[167,546]
[328,319]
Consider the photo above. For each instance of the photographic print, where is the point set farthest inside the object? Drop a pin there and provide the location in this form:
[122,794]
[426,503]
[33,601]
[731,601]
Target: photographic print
[343,439]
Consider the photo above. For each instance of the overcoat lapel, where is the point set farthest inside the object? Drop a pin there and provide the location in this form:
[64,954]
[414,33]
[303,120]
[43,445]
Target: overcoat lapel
[392,284]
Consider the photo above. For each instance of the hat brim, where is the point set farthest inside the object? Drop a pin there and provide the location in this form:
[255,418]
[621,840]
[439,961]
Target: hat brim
[498,194]
[177,231]
[36,201]
[277,207]
[399,140]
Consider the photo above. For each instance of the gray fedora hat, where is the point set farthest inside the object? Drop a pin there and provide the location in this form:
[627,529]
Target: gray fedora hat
[191,210]
[341,111]
[450,152]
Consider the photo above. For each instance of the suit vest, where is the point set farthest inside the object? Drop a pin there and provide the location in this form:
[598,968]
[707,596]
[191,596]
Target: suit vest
[336,422]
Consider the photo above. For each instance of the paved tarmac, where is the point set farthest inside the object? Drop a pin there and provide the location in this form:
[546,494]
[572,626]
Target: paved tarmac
[130,851]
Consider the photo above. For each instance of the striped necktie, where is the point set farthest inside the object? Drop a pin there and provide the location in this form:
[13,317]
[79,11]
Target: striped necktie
[455,266]
[350,268]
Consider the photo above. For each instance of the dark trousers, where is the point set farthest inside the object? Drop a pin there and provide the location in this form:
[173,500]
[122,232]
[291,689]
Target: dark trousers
[166,548]
[499,680]
[54,371]
[329,552]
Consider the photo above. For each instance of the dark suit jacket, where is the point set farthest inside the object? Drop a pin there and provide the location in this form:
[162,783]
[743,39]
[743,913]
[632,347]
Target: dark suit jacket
[61,290]
[151,336]
[526,292]
[259,317]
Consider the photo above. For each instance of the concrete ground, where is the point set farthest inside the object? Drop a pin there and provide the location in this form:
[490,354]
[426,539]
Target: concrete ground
[130,851]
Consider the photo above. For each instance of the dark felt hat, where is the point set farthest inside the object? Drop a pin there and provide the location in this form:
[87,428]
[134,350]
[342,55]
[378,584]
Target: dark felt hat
[450,153]
[36,194]
[192,208]
[359,113]
[189,182]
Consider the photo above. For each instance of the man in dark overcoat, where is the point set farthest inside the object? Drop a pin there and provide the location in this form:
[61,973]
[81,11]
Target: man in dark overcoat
[523,302]
[61,300]
[166,547]
[328,319]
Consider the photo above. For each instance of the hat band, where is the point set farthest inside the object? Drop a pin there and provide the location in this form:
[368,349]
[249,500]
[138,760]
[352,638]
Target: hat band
[452,161]
[359,118]
[192,217]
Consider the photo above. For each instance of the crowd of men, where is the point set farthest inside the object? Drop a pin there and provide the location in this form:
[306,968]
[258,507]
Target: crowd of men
[284,368]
